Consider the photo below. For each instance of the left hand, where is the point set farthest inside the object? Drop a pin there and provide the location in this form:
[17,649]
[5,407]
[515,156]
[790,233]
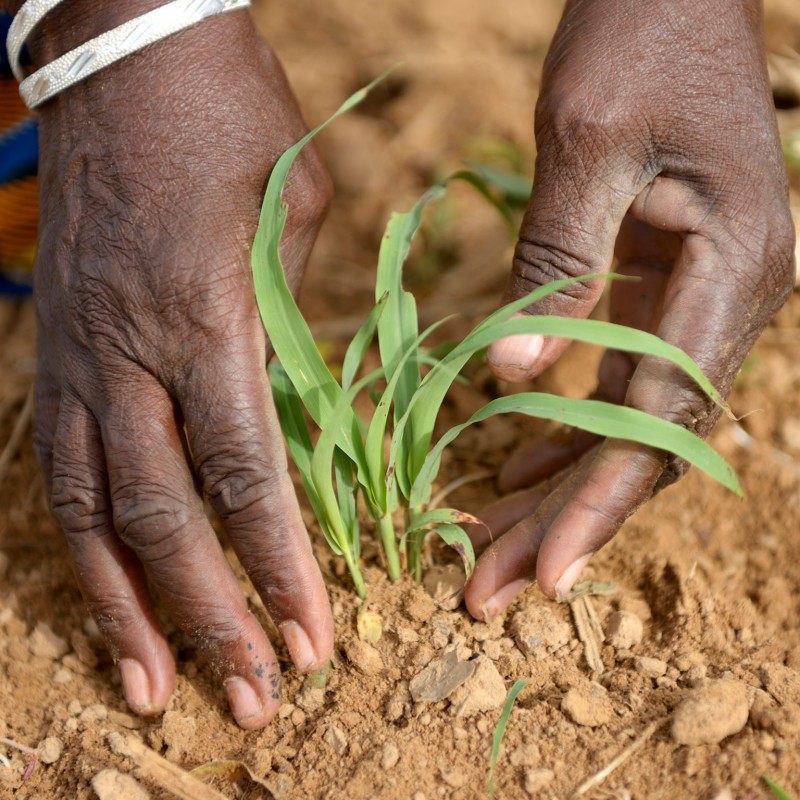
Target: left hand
[656,143]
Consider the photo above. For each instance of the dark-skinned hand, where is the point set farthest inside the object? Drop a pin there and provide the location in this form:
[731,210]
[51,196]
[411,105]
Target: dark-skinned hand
[151,391]
[657,143]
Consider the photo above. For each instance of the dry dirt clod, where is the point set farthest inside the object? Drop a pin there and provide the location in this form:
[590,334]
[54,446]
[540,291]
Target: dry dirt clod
[483,691]
[537,779]
[110,784]
[440,678]
[624,630]
[364,657]
[336,739]
[711,713]
[650,667]
[526,755]
[390,755]
[537,632]
[588,705]
[94,713]
[782,682]
[46,644]
[419,605]
[445,584]
[50,750]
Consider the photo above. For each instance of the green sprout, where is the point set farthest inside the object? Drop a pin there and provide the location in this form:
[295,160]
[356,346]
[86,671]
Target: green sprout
[390,460]
[780,794]
[500,730]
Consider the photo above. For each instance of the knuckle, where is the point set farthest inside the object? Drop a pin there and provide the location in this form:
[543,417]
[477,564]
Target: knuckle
[77,506]
[150,522]
[240,489]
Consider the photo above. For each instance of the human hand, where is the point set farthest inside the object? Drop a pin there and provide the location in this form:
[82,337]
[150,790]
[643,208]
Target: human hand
[656,139]
[151,391]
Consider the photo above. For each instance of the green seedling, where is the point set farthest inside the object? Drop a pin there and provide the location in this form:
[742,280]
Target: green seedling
[390,460]
[500,730]
[780,794]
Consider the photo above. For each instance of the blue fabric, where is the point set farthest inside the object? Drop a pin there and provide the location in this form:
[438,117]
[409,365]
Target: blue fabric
[19,151]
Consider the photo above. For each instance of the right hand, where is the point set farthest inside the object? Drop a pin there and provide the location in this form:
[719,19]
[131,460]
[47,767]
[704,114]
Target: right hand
[151,391]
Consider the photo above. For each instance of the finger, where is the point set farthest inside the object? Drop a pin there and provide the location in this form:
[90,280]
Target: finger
[159,515]
[582,190]
[47,398]
[110,577]
[239,455]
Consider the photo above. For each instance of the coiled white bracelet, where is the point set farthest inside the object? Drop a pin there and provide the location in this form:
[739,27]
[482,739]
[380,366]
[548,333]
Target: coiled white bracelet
[116,44]
[25,21]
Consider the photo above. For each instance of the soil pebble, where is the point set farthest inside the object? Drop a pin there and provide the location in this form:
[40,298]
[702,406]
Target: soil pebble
[50,750]
[624,630]
[650,667]
[537,632]
[111,784]
[311,699]
[364,657]
[441,678]
[46,644]
[783,683]
[445,584]
[390,755]
[588,705]
[94,713]
[711,713]
[419,605]
[537,779]
[526,755]
[483,691]
[336,739]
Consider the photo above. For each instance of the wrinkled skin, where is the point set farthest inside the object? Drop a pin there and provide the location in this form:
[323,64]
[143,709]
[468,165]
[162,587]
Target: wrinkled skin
[151,188]
[657,143]
[650,126]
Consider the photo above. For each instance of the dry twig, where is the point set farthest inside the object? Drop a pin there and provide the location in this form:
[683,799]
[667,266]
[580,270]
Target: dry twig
[587,624]
[17,434]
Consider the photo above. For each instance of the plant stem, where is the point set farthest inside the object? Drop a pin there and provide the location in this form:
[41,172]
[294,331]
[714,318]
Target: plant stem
[415,541]
[386,529]
[355,573]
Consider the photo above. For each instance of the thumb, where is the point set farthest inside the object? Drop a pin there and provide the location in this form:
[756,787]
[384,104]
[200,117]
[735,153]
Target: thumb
[580,197]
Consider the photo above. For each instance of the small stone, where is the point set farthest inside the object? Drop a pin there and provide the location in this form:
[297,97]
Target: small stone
[695,675]
[650,667]
[624,630]
[711,713]
[397,704]
[493,650]
[298,718]
[336,739]
[440,678]
[390,755]
[74,707]
[285,710]
[50,750]
[45,644]
[62,676]
[407,635]
[526,755]
[364,657]
[685,661]
[537,779]
[93,713]
[483,691]
[311,699]
[537,632]
[110,784]
[455,777]
[445,584]
[782,682]
[71,725]
[588,705]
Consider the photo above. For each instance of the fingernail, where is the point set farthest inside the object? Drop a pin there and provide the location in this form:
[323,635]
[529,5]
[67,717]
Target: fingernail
[135,685]
[300,648]
[500,600]
[243,700]
[516,354]
[569,576]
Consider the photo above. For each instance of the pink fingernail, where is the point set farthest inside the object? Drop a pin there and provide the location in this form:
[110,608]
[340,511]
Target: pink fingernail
[300,648]
[135,685]
[569,576]
[243,700]
[516,354]
[500,600]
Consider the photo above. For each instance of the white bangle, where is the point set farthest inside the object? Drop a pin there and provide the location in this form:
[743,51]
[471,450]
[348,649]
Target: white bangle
[109,47]
[25,21]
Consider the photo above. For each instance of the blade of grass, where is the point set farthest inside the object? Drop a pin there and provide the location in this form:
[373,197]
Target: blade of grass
[483,186]
[360,343]
[780,793]
[456,537]
[605,419]
[500,730]
[515,188]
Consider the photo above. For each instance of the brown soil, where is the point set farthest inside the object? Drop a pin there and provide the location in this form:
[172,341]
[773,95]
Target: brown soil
[707,600]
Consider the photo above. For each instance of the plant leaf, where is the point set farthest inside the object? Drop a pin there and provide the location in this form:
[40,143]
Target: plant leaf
[516,188]
[605,419]
[456,537]
[360,343]
[500,730]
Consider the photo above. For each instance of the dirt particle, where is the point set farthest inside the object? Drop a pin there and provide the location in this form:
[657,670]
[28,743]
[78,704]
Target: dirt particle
[526,755]
[407,635]
[454,777]
[364,657]
[390,756]
[46,644]
[336,739]
[624,630]
[311,699]
[419,605]
[74,707]
[94,713]
[783,683]
[650,667]
[537,779]
[398,703]
[50,750]
[445,584]
[711,713]
[538,632]
[110,784]
[483,691]
[440,678]
[588,705]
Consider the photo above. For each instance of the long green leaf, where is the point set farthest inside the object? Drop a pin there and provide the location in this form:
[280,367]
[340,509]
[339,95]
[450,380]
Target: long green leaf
[441,516]
[455,537]
[500,730]
[360,343]
[605,419]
